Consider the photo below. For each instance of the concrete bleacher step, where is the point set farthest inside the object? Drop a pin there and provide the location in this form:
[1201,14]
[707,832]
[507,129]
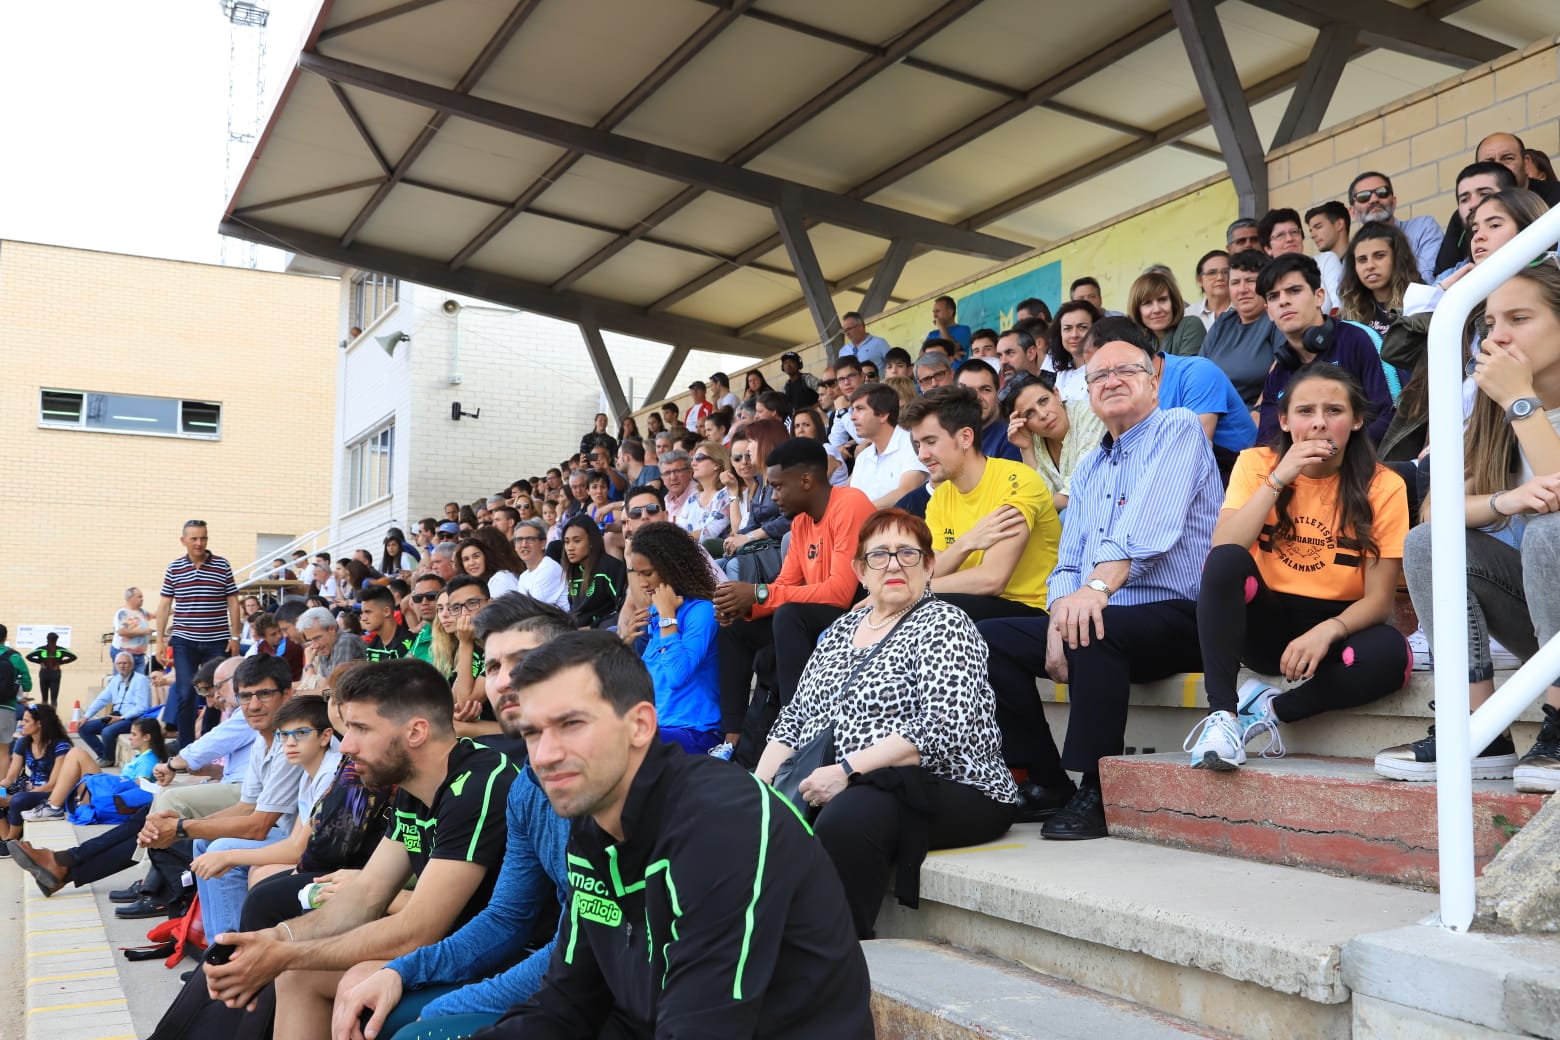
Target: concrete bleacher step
[1332,814]
[1162,713]
[1250,948]
[923,991]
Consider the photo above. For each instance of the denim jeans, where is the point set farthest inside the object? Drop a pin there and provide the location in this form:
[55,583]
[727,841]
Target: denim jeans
[222,898]
[102,733]
[188,656]
[1513,594]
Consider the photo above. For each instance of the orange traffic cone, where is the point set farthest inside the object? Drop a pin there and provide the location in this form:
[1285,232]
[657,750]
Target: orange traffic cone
[75,717]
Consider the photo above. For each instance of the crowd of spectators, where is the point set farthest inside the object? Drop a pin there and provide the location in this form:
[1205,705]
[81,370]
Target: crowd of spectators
[847,586]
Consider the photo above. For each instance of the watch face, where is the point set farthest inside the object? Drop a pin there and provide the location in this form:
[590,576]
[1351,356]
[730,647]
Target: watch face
[1522,408]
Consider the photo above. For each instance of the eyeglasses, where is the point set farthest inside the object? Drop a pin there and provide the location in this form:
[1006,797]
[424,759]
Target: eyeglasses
[194,523]
[1119,372]
[679,471]
[526,538]
[202,689]
[424,597]
[1383,192]
[469,606]
[877,559]
[742,456]
[255,695]
[653,509]
[292,736]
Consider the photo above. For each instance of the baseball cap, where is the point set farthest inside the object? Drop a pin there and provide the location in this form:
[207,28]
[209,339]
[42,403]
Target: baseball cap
[791,355]
[449,527]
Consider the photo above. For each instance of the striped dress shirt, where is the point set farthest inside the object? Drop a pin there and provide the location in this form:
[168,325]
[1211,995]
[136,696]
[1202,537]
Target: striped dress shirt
[200,595]
[1150,496]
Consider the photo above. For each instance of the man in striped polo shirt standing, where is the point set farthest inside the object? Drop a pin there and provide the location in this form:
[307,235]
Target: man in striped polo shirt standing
[199,591]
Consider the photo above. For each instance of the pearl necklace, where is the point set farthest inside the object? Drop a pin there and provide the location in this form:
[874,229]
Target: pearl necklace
[895,616]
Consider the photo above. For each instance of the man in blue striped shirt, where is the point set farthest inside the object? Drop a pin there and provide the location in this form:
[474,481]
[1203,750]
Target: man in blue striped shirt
[199,594]
[1123,596]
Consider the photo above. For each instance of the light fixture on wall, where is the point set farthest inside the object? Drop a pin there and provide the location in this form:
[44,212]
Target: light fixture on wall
[456,413]
[389,342]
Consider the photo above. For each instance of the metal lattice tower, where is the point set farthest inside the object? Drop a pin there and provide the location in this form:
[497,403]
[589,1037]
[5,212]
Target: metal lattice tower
[246,99]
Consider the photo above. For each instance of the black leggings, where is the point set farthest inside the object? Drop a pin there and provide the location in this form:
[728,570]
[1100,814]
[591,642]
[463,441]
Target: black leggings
[860,830]
[1239,619]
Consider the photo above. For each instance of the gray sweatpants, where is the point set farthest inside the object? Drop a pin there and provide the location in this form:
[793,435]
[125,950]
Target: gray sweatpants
[1513,594]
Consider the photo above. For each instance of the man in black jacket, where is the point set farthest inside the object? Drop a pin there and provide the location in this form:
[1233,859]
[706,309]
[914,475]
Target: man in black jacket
[748,932]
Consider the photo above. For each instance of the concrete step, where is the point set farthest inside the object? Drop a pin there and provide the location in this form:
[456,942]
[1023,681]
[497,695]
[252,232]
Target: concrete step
[921,991]
[1331,814]
[1164,712]
[1251,948]
[1428,982]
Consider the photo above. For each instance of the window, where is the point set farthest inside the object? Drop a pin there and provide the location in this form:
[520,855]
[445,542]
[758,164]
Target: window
[130,413]
[368,467]
[372,295]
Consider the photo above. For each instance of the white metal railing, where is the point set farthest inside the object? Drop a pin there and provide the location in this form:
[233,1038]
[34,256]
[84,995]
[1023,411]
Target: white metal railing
[260,569]
[1455,732]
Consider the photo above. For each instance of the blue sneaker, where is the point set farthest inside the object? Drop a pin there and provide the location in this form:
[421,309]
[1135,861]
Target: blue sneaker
[722,751]
[1255,715]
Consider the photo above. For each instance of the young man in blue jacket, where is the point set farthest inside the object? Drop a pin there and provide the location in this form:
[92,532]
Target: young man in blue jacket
[700,904]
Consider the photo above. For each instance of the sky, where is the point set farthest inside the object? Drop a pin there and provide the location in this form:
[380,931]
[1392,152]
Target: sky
[113,121]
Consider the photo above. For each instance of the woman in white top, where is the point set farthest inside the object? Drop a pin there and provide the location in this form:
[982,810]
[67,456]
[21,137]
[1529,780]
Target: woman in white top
[710,461]
[1065,344]
[542,578]
[1052,435]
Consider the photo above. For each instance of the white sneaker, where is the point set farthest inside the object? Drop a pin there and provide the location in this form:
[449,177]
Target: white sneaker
[1215,743]
[44,812]
[1503,660]
[1419,644]
[1255,716]
[723,751]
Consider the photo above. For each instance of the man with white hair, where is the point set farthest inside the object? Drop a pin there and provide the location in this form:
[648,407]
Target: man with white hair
[125,697]
[441,561]
[327,648]
[132,629]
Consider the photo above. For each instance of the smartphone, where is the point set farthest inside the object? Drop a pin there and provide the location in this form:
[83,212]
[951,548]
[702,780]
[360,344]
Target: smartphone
[218,953]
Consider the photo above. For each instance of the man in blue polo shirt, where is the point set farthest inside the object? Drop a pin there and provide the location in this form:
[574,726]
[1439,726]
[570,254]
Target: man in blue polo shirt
[945,313]
[205,623]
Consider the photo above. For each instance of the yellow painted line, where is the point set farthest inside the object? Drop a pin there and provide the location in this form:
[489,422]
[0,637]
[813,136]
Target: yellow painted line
[100,973]
[1189,684]
[61,931]
[1061,693]
[56,913]
[977,848]
[99,948]
[73,1007]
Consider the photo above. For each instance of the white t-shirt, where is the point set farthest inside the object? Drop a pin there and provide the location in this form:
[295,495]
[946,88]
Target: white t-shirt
[131,644]
[876,474]
[544,582]
[502,582]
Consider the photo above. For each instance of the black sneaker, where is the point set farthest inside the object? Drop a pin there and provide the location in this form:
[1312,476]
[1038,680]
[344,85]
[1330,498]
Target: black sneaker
[1539,770]
[1083,818]
[1416,761]
[1037,803]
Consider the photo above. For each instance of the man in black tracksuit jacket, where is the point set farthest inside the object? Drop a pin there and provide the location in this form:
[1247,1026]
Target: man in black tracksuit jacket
[715,914]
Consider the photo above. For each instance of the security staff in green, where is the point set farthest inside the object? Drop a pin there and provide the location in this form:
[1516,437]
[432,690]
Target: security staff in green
[700,904]
[50,658]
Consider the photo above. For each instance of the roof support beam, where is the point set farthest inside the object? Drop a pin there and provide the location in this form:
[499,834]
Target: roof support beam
[708,174]
[888,272]
[701,38]
[1383,24]
[898,49]
[1318,82]
[495,46]
[663,379]
[804,260]
[606,372]
[577,308]
[374,19]
[1219,82]
[362,129]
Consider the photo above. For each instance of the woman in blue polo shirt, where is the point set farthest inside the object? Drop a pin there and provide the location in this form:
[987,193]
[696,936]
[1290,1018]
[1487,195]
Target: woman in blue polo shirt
[676,634]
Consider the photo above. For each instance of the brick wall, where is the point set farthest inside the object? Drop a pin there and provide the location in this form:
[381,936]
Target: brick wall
[89,513]
[1424,139]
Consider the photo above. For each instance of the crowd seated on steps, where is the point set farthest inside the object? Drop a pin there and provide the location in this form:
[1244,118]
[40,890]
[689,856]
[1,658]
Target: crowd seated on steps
[848,586]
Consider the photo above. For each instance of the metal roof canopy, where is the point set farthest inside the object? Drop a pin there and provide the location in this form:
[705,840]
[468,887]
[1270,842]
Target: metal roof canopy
[731,174]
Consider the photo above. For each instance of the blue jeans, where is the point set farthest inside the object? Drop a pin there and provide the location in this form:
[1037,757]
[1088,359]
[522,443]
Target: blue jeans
[222,898]
[188,656]
[102,733]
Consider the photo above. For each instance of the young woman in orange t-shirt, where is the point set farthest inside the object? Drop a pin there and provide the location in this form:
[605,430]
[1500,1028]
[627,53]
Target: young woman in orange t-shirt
[1302,574]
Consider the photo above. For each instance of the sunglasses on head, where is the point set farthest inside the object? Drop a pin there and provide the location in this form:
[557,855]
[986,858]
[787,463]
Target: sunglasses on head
[653,509]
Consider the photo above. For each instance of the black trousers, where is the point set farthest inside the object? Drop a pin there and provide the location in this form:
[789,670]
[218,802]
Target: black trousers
[106,854]
[49,686]
[274,900]
[792,630]
[985,608]
[1142,643]
[1240,619]
[860,830]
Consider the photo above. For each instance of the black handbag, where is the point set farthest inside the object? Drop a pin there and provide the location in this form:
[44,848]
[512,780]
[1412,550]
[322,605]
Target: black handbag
[819,751]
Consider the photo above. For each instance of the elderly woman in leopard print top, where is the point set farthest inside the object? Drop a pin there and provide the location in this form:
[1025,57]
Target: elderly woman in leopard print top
[919,754]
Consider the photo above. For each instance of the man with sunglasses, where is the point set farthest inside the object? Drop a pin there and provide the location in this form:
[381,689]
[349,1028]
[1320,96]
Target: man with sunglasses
[425,604]
[1371,198]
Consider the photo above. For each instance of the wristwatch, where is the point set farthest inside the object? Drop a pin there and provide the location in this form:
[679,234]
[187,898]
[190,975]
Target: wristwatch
[668,622]
[850,770]
[1098,586]
[178,830]
[1523,407]
[760,592]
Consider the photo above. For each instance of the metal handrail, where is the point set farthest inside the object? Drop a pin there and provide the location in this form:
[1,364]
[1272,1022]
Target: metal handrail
[1456,733]
[263,563]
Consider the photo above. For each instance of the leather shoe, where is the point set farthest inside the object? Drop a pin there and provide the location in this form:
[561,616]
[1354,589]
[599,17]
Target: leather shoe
[40,863]
[125,895]
[156,952]
[1037,803]
[142,907]
[1083,818]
